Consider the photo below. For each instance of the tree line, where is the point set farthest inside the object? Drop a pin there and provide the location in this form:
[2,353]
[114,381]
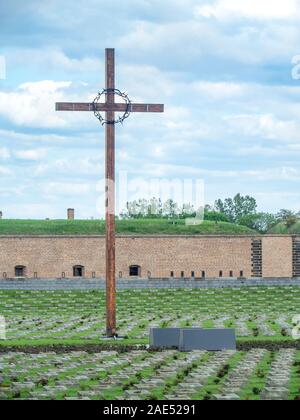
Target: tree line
[241,210]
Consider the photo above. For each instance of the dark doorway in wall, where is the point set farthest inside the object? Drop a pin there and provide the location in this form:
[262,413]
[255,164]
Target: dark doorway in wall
[78,271]
[135,271]
[20,271]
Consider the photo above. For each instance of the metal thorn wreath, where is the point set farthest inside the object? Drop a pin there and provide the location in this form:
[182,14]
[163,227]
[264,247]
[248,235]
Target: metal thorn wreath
[120,119]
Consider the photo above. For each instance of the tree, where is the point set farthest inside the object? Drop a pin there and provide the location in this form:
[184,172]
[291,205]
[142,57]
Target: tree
[187,211]
[237,207]
[288,217]
[155,208]
[284,214]
[219,206]
[170,209]
[262,222]
[132,209]
[208,208]
[291,221]
[215,216]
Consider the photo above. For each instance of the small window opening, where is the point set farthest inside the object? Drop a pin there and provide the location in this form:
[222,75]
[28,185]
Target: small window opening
[20,271]
[78,271]
[134,271]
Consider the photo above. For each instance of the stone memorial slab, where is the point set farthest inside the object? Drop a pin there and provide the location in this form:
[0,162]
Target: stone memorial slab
[207,339]
[190,339]
[165,338]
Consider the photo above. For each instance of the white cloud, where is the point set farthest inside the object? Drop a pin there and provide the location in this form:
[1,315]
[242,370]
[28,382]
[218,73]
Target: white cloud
[218,90]
[4,153]
[53,140]
[145,82]
[273,201]
[10,190]
[60,61]
[43,87]
[36,154]
[32,210]
[2,67]
[187,44]
[264,126]
[84,166]
[66,188]
[247,175]
[258,9]
[5,171]
[33,104]
[216,126]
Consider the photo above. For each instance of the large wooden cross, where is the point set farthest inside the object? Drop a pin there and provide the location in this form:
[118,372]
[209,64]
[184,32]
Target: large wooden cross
[110,107]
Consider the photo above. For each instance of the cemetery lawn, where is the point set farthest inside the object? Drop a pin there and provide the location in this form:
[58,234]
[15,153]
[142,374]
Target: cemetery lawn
[126,227]
[52,334]
[259,314]
[143,375]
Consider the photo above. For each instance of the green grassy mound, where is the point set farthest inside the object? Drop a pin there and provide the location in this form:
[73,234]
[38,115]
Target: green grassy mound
[126,227]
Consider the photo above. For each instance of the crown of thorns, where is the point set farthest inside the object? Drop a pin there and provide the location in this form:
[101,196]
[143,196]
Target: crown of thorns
[121,118]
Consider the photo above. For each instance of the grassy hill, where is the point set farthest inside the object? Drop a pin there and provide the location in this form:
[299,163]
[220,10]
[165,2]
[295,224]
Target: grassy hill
[281,228]
[126,227]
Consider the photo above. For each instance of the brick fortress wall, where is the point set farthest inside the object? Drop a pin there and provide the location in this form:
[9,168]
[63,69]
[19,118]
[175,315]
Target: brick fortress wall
[157,256]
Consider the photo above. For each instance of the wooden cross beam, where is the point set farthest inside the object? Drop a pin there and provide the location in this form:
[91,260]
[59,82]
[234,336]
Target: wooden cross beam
[110,107]
[115,107]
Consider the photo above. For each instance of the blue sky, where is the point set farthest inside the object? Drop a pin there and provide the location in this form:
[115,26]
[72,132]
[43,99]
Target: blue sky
[223,68]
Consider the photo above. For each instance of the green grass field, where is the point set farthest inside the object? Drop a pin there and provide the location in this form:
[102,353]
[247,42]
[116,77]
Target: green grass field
[258,313]
[127,227]
[143,375]
[51,318]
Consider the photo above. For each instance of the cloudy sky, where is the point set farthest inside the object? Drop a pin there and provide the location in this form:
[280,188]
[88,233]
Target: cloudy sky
[227,71]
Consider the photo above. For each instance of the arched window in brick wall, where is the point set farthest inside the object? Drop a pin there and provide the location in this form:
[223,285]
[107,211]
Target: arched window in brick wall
[78,271]
[20,271]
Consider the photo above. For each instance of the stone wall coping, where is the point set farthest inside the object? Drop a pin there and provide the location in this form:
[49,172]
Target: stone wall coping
[99,284]
[152,280]
[145,279]
[205,236]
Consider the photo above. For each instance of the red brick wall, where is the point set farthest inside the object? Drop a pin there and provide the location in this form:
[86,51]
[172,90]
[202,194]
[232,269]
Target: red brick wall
[50,256]
[277,256]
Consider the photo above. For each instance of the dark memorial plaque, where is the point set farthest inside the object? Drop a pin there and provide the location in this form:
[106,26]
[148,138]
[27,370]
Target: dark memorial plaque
[165,338]
[189,339]
[207,339]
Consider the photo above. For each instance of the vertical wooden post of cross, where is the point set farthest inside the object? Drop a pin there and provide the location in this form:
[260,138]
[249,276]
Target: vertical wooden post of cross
[110,108]
[110,198]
